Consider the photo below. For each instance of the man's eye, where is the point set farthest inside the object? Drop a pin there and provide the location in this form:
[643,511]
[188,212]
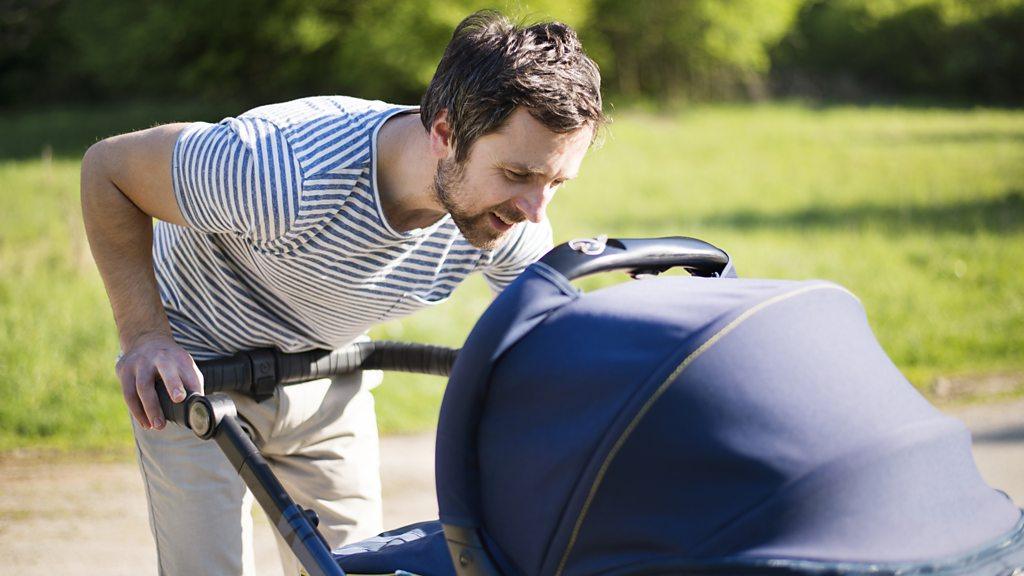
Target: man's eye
[516,176]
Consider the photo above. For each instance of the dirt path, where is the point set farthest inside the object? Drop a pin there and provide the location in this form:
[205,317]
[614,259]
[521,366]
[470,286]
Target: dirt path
[76,518]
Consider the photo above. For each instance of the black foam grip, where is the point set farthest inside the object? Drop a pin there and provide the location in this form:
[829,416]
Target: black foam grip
[408,357]
[258,371]
[232,373]
[306,366]
[382,355]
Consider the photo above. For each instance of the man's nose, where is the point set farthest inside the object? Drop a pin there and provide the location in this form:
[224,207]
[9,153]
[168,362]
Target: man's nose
[534,202]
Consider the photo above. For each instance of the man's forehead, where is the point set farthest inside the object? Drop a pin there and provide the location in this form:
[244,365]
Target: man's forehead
[526,145]
[522,125]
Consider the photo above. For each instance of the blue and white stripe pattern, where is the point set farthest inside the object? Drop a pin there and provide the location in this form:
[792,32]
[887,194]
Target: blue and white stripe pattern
[287,244]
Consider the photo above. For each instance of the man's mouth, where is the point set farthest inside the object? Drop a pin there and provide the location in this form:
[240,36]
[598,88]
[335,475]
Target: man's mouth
[501,223]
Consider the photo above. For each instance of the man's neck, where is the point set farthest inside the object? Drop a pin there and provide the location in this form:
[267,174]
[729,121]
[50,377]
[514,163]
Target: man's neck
[405,174]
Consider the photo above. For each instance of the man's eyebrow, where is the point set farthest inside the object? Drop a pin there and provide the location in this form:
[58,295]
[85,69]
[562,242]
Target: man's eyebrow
[519,167]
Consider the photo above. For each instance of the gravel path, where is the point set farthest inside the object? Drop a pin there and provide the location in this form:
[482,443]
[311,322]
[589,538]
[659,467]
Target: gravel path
[77,518]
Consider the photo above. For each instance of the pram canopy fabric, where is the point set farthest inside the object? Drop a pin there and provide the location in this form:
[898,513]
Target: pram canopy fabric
[676,420]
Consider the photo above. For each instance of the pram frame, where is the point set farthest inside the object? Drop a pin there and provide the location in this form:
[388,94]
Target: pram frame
[214,417]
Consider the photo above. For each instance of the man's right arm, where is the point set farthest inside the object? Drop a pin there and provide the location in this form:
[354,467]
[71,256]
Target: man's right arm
[126,182]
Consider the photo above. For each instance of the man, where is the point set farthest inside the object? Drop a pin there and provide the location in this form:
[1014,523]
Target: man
[300,225]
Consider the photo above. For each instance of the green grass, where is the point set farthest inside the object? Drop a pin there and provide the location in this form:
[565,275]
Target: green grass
[920,212]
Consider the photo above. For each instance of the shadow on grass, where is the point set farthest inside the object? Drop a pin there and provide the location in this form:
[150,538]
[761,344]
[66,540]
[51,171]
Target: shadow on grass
[943,138]
[66,132]
[869,102]
[1004,214]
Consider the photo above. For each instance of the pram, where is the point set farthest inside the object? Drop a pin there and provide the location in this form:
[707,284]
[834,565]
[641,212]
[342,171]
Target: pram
[677,425]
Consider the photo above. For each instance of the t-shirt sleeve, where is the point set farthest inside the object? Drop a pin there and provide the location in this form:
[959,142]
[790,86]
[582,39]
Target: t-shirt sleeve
[239,177]
[524,247]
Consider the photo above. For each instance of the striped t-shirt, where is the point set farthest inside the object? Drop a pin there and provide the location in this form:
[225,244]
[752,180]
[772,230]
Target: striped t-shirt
[287,245]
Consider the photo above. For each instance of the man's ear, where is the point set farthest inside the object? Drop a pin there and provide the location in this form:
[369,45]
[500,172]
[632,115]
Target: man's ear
[441,136]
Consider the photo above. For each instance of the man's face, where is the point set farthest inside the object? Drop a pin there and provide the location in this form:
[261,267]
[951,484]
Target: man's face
[509,176]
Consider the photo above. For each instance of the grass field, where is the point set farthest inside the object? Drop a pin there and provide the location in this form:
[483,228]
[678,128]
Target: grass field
[918,211]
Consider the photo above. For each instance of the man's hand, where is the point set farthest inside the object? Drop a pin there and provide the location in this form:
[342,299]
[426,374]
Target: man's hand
[126,182]
[156,356]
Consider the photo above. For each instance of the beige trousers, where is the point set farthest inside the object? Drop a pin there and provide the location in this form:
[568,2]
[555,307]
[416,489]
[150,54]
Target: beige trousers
[320,438]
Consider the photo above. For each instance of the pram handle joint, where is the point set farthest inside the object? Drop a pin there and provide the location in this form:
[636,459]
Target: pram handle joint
[469,557]
[638,256]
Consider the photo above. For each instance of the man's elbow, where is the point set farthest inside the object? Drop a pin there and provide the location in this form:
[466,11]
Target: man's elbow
[94,175]
[94,160]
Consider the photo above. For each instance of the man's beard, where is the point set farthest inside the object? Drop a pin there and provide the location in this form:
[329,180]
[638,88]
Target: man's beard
[475,227]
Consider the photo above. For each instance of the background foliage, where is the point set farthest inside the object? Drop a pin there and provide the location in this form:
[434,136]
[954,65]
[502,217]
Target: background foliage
[254,51]
[695,48]
[920,212]
[946,49]
[913,197]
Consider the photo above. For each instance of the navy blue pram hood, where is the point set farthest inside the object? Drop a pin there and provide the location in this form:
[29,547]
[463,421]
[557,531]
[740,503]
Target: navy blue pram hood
[655,424]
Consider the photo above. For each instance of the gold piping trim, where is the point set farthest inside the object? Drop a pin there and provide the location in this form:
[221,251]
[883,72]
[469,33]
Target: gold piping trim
[657,394]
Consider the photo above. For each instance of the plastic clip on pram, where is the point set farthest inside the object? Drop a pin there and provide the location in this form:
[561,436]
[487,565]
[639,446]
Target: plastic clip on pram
[213,417]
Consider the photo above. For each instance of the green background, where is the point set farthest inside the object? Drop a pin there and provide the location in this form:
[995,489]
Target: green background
[876,143]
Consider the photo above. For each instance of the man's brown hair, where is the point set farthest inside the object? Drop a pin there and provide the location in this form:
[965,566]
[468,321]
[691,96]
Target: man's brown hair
[491,66]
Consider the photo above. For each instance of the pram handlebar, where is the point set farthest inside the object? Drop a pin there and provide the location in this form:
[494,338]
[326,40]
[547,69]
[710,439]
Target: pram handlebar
[258,372]
[638,256]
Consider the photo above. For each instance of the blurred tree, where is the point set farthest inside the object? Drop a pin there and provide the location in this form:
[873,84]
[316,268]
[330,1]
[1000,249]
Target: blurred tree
[34,52]
[689,48]
[253,49]
[390,48]
[257,51]
[935,49]
[247,50]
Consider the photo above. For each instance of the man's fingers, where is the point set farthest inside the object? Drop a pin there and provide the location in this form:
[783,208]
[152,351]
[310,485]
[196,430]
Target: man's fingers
[147,394]
[153,357]
[192,378]
[174,387]
[131,399]
[172,378]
